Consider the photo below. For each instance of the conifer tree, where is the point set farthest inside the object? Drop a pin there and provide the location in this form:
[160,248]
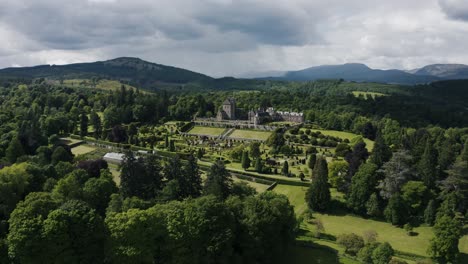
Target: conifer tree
[381,152]
[172,146]
[427,165]
[318,195]
[83,124]
[464,155]
[285,169]
[245,160]
[258,165]
[192,178]
[446,157]
[372,206]
[430,213]
[395,212]
[96,123]
[218,181]
[311,161]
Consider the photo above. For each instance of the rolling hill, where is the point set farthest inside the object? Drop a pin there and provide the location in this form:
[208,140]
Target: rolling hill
[133,70]
[444,71]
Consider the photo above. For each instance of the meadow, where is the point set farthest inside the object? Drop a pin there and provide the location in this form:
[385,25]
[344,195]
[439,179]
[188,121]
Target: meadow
[368,94]
[345,135]
[340,222]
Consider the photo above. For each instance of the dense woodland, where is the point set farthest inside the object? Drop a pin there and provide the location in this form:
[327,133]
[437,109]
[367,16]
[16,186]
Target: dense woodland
[55,208]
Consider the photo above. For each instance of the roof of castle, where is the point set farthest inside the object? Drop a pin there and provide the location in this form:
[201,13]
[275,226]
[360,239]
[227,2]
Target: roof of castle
[229,101]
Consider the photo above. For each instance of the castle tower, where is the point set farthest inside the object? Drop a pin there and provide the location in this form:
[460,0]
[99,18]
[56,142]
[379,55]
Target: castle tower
[229,107]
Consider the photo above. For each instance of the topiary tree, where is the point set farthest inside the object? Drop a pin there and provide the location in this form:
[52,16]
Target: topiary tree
[285,169]
[311,161]
[245,160]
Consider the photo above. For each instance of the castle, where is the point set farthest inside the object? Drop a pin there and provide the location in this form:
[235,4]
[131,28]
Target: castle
[260,116]
[270,114]
[228,110]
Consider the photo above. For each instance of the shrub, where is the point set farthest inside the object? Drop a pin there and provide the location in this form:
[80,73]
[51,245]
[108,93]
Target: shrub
[370,236]
[365,254]
[382,254]
[352,243]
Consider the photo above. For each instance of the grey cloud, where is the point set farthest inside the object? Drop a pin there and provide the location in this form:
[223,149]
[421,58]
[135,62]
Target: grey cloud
[455,9]
[226,37]
[268,22]
[81,24]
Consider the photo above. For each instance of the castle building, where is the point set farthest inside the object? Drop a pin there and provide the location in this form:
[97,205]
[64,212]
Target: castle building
[228,110]
[260,116]
[270,114]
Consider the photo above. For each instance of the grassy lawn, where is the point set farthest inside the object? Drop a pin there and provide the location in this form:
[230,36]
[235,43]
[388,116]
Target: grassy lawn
[310,255]
[82,149]
[296,195]
[397,237]
[114,169]
[257,186]
[340,223]
[345,135]
[250,134]
[209,131]
[70,141]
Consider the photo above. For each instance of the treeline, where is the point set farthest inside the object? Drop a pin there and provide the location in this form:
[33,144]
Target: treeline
[74,213]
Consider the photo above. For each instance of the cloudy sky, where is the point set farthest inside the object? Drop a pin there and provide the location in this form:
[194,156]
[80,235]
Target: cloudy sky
[232,37]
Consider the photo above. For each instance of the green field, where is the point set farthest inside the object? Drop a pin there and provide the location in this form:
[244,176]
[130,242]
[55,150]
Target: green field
[368,94]
[250,134]
[82,149]
[110,85]
[341,222]
[208,131]
[345,135]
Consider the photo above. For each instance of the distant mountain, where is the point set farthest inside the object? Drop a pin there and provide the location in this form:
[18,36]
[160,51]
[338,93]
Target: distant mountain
[150,75]
[265,74]
[445,71]
[133,70]
[356,72]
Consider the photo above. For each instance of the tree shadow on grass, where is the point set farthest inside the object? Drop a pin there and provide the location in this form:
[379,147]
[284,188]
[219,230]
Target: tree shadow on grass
[463,258]
[308,252]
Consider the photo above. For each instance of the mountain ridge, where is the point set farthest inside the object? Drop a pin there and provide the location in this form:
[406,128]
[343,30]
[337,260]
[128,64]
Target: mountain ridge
[150,75]
[362,73]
